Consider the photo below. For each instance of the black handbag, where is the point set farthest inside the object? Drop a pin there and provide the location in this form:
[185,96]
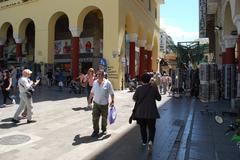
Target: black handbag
[30,92]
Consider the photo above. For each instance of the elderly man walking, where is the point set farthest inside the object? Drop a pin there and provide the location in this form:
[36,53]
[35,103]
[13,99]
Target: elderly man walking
[100,92]
[24,84]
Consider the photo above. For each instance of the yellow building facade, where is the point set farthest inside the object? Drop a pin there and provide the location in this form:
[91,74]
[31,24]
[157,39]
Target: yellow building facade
[79,33]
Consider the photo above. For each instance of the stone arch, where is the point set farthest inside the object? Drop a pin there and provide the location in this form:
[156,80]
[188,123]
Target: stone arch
[23,26]
[228,25]
[92,30]
[3,31]
[237,7]
[51,32]
[84,13]
[231,5]
[129,26]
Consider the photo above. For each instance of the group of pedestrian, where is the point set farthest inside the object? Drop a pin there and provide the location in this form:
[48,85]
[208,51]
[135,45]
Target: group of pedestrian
[99,89]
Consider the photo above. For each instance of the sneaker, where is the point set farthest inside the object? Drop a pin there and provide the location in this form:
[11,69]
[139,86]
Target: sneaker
[15,121]
[94,134]
[150,145]
[104,132]
[13,101]
[31,121]
[144,144]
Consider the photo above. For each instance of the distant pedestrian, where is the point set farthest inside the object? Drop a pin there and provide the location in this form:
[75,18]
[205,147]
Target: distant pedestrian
[6,86]
[49,78]
[13,73]
[100,92]
[25,84]
[89,79]
[145,109]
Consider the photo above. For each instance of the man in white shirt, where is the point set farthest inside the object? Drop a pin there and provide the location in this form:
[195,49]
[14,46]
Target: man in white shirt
[100,92]
[24,84]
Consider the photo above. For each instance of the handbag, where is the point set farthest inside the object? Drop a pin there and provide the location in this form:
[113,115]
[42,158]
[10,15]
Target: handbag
[112,114]
[29,91]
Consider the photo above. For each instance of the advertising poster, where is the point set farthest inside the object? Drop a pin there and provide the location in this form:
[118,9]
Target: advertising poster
[86,45]
[63,46]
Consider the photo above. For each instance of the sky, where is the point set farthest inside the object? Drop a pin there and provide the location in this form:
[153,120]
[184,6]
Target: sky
[179,18]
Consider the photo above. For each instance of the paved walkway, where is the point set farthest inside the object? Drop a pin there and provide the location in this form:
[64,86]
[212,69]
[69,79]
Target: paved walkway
[63,130]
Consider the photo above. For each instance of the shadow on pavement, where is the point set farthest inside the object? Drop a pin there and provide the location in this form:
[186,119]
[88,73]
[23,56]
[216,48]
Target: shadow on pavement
[81,109]
[128,146]
[88,139]
[7,119]
[8,125]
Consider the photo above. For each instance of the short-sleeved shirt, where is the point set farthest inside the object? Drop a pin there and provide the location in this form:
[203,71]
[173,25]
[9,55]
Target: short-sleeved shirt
[102,91]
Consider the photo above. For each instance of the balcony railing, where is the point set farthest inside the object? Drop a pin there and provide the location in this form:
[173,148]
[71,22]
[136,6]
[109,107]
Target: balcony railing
[11,3]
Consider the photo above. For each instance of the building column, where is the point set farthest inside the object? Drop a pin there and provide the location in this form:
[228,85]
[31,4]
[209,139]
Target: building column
[132,53]
[237,24]
[141,56]
[75,51]
[149,58]
[18,41]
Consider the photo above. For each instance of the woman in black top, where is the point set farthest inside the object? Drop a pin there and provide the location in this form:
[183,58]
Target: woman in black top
[145,110]
[6,85]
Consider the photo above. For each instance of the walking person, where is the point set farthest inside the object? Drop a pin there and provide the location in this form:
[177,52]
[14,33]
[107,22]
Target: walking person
[145,111]
[13,73]
[89,79]
[6,86]
[24,84]
[100,92]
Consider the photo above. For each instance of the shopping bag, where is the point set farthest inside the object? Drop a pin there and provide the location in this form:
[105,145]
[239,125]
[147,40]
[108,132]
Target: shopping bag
[112,114]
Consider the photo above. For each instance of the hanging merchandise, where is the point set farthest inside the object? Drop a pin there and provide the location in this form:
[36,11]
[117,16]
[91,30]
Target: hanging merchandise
[204,91]
[213,91]
[204,72]
[208,91]
[213,69]
[229,81]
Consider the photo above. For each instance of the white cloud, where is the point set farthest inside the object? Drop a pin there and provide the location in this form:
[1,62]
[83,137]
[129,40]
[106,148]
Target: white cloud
[177,33]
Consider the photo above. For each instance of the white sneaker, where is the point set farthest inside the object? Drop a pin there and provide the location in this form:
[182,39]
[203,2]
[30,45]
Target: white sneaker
[150,145]
[13,101]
